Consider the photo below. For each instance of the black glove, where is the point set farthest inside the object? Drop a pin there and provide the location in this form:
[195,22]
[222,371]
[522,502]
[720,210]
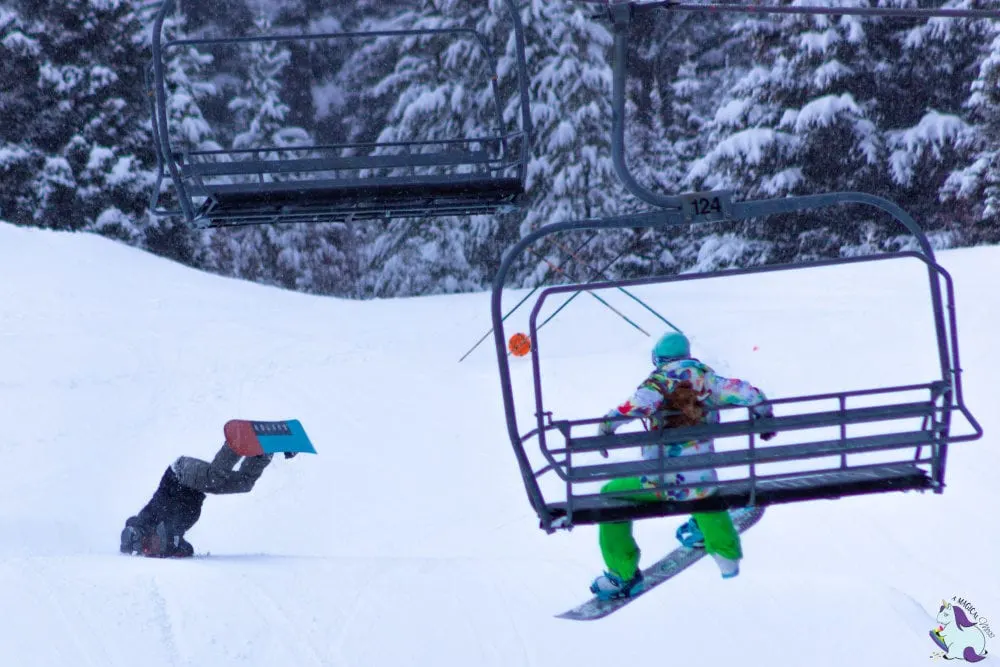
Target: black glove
[289,455]
[770,434]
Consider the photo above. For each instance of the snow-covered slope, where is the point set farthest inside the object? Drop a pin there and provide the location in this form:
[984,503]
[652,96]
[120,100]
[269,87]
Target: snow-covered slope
[408,539]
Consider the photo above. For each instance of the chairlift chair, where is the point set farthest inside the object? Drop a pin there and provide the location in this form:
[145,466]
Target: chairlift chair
[462,175]
[915,423]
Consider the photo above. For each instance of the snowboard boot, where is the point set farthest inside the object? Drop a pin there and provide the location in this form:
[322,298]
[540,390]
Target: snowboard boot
[690,535]
[609,586]
[131,543]
[727,566]
[183,548]
[163,543]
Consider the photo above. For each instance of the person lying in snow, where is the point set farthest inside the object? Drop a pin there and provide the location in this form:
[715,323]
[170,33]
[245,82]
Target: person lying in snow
[157,531]
[675,394]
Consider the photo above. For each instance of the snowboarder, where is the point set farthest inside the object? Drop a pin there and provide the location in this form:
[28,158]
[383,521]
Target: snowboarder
[157,531]
[680,391]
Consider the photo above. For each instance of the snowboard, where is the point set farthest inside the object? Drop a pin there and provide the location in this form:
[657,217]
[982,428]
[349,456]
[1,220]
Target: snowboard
[662,570]
[253,438]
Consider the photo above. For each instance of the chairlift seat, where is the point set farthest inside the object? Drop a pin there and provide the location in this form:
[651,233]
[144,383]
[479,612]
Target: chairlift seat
[333,200]
[301,195]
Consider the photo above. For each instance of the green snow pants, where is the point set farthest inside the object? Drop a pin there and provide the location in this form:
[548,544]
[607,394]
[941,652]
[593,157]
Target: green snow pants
[619,548]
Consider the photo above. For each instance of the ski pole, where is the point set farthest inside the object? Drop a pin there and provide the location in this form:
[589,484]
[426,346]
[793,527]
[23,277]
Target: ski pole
[612,308]
[622,289]
[487,334]
[519,303]
[593,278]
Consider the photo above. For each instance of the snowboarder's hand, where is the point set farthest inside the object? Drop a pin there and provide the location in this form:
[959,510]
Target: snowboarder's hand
[289,455]
[605,428]
[764,413]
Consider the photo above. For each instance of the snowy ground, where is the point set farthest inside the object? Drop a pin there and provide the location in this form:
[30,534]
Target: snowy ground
[408,539]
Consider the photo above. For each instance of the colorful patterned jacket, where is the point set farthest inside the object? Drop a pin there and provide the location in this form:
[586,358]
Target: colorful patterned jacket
[648,402]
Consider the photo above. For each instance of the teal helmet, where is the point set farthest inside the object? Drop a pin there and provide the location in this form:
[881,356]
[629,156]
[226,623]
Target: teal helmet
[672,345]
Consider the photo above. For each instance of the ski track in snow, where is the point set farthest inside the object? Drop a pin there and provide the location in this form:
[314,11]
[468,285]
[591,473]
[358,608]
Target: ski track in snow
[501,594]
[300,648]
[73,625]
[164,625]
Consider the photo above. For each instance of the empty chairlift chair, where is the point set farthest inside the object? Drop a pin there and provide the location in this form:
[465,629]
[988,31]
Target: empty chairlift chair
[482,173]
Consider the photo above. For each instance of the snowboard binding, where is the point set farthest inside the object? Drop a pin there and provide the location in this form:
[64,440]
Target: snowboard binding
[690,535]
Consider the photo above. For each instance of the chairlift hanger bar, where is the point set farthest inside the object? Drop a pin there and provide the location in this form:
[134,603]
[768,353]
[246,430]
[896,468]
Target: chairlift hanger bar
[836,11]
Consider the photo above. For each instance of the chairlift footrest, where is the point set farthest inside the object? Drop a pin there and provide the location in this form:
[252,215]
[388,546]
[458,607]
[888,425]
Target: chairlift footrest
[807,486]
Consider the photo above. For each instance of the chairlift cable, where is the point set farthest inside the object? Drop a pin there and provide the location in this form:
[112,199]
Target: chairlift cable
[889,12]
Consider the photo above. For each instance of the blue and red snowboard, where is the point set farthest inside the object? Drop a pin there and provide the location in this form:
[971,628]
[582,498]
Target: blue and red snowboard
[253,438]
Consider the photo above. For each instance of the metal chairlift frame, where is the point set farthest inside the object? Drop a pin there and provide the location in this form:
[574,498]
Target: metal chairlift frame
[483,180]
[943,396]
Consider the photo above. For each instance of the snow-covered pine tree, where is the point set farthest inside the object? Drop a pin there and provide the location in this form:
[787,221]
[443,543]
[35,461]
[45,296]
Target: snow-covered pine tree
[20,159]
[921,107]
[975,187]
[230,17]
[257,114]
[680,65]
[341,75]
[304,257]
[801,121]
[88,116]
[185,76]
[436,89]
[655,57]
[570,174]
[305,56]
[260,109]
[352,92]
